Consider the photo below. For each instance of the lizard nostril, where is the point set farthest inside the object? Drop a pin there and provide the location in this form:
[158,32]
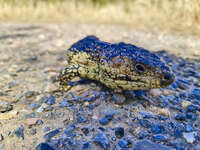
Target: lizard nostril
[167,76]
[168,79]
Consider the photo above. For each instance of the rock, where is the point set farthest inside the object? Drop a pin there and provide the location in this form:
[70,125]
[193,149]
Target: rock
[145,123]
[64,103]
[81,119]
[43,107]
[1,137]
[155,92]
[188,128]
[106,119]
[185,104]
[31,121]
[2,146]
[34,105]
[29,94]
[191,108]
[191,116]
[180,117]
[31,131]
[102,140]
[119,132]
[195,94]
[2,94]
[31,115]
[123,143]
[163,111]
[179,129]
[45,128]
[85,131]
[5,106]
[44,146]
[148,145]
[19,132]
[158,129]
[189,137]
[118,98]
[146,114]
[51,134]
[91,107]
[159,137]
[168,92]
[39,122]
[86,145]
[69,130]
[51,100]
[9,115]
[179,146]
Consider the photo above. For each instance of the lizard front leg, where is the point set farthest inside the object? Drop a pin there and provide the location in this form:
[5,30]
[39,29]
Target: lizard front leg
[66,75]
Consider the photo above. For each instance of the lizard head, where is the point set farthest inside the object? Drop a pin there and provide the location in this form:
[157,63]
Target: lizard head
[139,69]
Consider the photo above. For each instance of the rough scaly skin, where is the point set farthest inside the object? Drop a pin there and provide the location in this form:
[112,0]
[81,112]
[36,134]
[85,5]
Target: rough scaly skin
[118,66]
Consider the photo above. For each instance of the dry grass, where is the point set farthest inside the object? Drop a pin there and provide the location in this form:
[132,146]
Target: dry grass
[175,15]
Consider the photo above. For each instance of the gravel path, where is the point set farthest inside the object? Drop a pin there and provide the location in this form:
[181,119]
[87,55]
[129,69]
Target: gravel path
[88,116]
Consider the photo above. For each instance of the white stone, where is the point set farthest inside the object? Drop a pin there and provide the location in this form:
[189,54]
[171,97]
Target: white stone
[189,137]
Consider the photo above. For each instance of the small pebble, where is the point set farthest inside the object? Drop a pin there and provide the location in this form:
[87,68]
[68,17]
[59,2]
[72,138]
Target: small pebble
[191,116]
[19,132]
[45,129]
[123,143]
[159,137]
[180,117]
[5,106]
[29,94]
[191,108]
[158,129]
[69,129]
[148,145]
[40,122]
[64,103]
[34,105]
[195,94]
[119,132]
[81,119]
[2,146]
[102,140]
[32,131]
[86,145]
[163,111]
[85,131]
[43,107]
[51,134]
[189,137]
[189,128]
[51,100]
[44,146]
[1,93]
[145,123]
[179,130]
[31,121]
[155,92]
[106,119]
[185,104]
[1,137]
[118,98]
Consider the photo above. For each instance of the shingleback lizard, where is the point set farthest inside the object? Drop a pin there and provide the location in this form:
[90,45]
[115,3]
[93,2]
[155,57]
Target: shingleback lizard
[118,66]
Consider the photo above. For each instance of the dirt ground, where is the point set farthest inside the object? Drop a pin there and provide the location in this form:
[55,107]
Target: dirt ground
[31,56]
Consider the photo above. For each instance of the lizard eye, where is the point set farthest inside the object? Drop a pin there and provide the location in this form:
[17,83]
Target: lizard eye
[140,68]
